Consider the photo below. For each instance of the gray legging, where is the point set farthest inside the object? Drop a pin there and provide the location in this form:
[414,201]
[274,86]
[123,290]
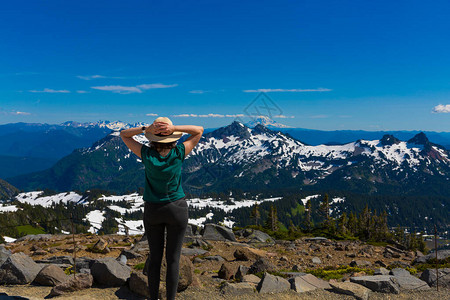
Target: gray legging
[158,217]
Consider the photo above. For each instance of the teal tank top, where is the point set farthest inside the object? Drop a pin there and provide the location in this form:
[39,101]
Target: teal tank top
[163,174]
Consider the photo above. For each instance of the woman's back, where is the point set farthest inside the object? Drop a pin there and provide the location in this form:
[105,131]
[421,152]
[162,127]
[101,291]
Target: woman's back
[163,174]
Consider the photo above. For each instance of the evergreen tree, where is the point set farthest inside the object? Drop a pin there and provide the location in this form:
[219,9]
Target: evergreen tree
[272,219]
[255,214]
[307,222]
[342,224]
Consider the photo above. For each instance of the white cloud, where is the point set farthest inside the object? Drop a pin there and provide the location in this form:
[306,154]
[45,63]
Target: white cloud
[82,92]
[198,92]
[442,108]
[207,116]
[284,117]
[288,90]
[132,89]
[46,90]
[118,89]
[22,113]
[151,115]
[319,117]
[155,86]
[90,77]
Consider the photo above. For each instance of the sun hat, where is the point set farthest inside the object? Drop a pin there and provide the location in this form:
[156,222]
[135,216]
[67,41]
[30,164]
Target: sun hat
[161,138]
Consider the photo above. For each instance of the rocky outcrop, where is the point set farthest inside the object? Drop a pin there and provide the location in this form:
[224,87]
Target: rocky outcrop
[139,284]
[441,255]
[429,276]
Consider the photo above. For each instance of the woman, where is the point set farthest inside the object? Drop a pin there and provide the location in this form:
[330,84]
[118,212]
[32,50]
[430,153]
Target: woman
[165,203]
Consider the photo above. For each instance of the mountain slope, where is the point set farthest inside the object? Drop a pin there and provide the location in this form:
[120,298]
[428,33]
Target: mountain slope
[7,191]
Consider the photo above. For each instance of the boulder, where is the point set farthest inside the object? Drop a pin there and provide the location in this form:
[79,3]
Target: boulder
[192,252]
[130,254]
[80,282]
[261,265]
[226,271]
[214,258]
[51,275]
[247,254]
[57,260]
[378,283]
[260,237]
[349,288]
[316,239]
[381,271]
[251,279]
[360,263]
[109,272]
[4,254]
[441,255]
[408,282]
[316,260]
[273,284]
[35,237]
[429,276]
[305,282]
[18,268]
[241,272]
[139,284]
[218,233]
[100,246]
[237,289]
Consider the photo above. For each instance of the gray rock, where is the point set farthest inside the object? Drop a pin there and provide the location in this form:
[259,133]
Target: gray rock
[379,283]
[316,239]
[241,272]
[226,271]
[130,254]
[35,237]
[80,282]
[261,265]
[441,255]
[273,284]
[139,284]
[399,272]
[192,252]
[67,260]
[360,263]
[18,268]
[215,258]
[84,262]
[252,279]
[198,260]
[4,254]
[109,272]
[316,260]
[245,254]
[304,282]
[122,258]
[381,271]
[408,282]
[237,289]
[51,275]
[429,276]
[349,288]
[218,233]
[260,237]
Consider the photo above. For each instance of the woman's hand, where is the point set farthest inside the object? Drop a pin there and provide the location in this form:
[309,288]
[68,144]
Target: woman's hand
[160,128]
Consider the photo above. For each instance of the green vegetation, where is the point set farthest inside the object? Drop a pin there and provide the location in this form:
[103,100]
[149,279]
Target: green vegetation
[139,266]
[329,272]
[444,263]
[28,229]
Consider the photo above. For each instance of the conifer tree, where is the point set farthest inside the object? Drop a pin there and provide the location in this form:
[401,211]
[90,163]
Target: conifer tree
[307,222]
[342,224]
[255,214]
[272,219]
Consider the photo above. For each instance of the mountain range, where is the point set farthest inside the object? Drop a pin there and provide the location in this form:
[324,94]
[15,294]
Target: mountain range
[239,157]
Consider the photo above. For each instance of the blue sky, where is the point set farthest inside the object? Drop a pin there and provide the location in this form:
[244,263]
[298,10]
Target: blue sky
[378,65]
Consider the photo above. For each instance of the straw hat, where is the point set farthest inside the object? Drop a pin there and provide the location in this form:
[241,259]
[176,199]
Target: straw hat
[161,138]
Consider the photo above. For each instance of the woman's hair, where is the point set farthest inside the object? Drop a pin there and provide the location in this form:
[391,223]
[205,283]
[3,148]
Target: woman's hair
[160,146]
